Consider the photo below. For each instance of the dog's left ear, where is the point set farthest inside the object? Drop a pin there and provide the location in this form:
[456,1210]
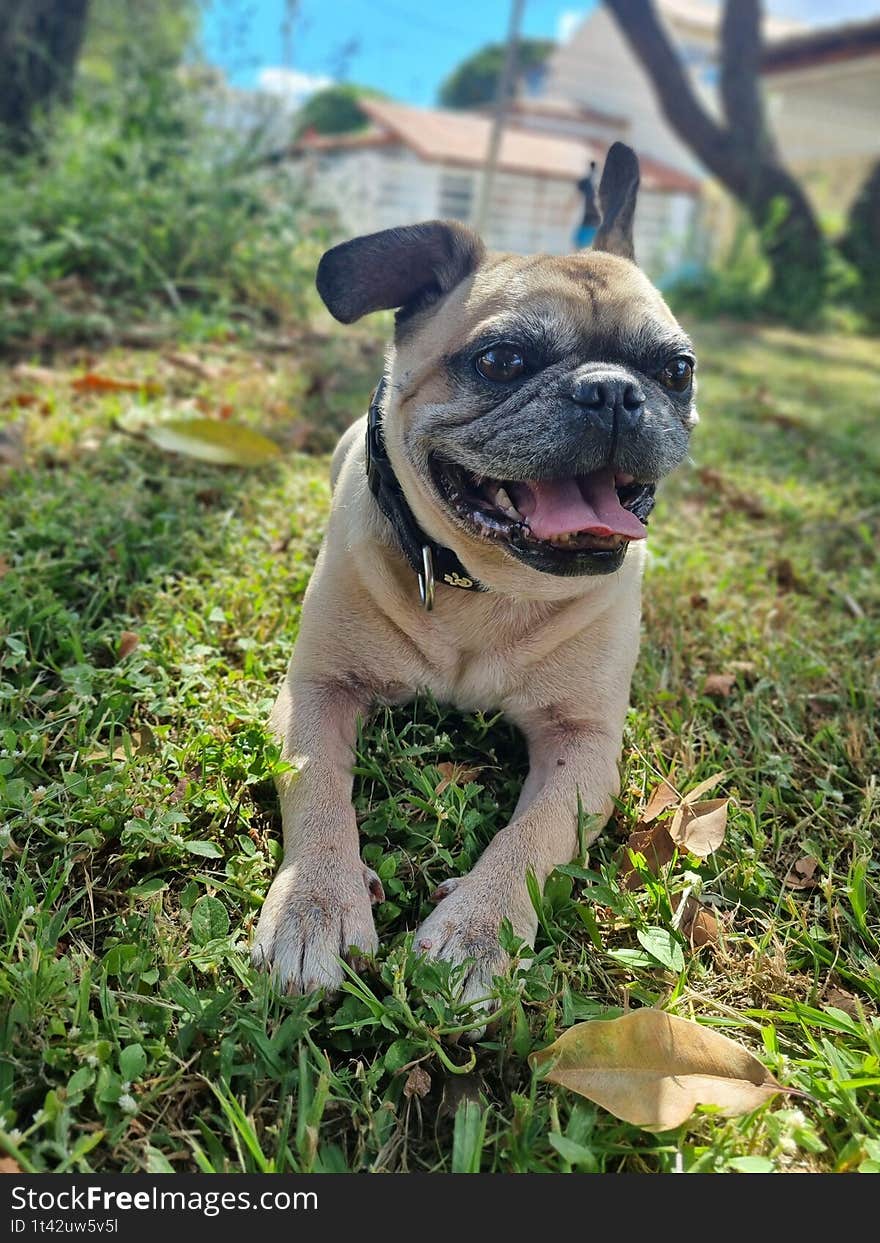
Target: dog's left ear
[408,268]
[617,198]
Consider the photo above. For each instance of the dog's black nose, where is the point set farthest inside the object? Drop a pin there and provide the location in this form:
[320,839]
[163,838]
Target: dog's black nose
[612,398]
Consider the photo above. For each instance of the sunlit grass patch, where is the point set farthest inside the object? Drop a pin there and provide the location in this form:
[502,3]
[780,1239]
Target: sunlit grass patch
[140,828]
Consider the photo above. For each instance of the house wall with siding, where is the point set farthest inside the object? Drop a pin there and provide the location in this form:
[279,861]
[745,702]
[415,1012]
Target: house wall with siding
[825,122]
[595,67]
[379,188]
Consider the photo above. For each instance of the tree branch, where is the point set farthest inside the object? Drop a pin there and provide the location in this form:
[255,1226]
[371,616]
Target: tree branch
[741,152]
[643,30]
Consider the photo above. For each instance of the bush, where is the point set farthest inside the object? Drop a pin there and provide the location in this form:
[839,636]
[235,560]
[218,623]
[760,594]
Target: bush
[737,284]
[135,204]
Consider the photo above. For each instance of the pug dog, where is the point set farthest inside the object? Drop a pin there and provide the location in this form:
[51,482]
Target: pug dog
[486,541]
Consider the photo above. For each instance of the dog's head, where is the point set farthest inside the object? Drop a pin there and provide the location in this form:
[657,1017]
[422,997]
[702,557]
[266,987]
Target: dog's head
[534,402]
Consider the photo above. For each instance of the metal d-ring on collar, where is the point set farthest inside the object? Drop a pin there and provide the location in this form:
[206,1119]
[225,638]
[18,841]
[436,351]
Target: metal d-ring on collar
[426,579]
[431,562]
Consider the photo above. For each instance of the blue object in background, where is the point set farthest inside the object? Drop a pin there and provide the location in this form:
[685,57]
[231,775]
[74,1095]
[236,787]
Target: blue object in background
[583,236]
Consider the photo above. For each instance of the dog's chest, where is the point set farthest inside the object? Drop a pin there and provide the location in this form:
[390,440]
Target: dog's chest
[490,653]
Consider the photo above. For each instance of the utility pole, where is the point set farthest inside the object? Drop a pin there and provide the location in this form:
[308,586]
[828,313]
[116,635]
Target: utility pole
[502,99]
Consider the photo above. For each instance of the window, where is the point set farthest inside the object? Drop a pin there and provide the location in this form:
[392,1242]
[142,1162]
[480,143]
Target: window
[456,196]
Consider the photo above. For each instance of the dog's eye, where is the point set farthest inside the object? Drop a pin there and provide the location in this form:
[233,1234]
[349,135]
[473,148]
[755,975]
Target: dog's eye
[677,374]
[502,363]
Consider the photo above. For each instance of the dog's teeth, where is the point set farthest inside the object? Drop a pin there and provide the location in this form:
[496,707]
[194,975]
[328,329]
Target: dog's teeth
[505,504]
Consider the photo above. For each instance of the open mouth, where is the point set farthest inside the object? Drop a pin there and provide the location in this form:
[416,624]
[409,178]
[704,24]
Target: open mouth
[580,524]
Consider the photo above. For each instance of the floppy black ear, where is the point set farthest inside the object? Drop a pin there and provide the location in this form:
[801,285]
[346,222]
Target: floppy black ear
[395,267]
[617,198]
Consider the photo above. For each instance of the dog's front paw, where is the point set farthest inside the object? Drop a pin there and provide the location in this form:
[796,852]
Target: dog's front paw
[312,918]
[463,929]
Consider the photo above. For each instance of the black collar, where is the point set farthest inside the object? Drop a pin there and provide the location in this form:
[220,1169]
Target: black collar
[431,562]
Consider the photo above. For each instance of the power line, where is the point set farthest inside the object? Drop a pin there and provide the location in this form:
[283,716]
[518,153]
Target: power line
[416,19]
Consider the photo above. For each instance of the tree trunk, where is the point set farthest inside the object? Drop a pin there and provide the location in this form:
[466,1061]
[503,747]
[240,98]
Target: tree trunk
[740,153]
[39,45]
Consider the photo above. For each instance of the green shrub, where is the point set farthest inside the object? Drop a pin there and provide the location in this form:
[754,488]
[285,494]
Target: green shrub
[737,284]
[137,204]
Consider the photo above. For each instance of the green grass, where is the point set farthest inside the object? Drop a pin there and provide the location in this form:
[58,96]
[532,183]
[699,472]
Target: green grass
[140,829]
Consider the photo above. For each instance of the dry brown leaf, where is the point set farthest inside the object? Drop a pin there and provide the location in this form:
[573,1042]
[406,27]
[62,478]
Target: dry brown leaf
[842,1000]
[194,364]
[729,494]
[719,685]
[662,797]
[178,794]
[657,847]
[11,850]
[145,739]
[418,1082]
[802,874]
[225,411]
[23,400]
[697,924]
[746,504]
[40,375]
[94,382]
[653,1069]
[704,787]
[461,774]
[140,742]
[747,669]
[9,1166]
[128,641]
[700,827]
[5,567]
[786,579]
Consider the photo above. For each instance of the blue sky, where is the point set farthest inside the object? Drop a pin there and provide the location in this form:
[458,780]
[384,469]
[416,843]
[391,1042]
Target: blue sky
[404,47]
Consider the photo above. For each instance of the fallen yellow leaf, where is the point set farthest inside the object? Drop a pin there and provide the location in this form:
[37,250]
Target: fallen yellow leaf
[663,796]
[128,641]
[653,1069]
[226,444]
[704,787]
[697,923]
[657,847]
[802,874]
[700,827]
[719,685]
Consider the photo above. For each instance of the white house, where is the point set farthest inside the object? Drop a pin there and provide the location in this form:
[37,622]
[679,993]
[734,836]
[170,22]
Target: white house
[596,67]
[415,164]
[823,98]
[821,85]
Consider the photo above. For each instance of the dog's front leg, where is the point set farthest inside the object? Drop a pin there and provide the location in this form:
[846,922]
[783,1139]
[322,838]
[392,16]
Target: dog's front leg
[318,908]
[568,757]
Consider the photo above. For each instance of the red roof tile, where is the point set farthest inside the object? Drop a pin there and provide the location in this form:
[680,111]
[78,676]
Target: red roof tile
[444,137]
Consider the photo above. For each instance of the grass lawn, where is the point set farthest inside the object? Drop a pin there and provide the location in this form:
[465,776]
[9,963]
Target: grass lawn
[140,829]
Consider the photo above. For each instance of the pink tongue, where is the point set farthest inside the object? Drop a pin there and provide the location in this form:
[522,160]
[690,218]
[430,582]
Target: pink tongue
[587,503]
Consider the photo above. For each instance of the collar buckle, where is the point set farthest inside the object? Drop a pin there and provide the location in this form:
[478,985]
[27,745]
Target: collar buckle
[426,579]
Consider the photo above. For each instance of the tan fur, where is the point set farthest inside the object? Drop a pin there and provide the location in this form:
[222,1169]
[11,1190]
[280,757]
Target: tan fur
[555,654]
